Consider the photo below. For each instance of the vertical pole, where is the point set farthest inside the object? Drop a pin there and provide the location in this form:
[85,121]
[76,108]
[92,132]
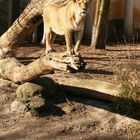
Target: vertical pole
[99,31]
[15,9]
[9,13]
[128,17]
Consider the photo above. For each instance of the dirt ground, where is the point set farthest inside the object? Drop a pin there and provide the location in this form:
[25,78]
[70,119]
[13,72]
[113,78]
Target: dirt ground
[89,119]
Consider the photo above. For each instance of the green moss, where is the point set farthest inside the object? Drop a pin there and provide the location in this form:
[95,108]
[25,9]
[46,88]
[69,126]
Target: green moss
[23,100]
[33,112]
[28,90]
[30,95]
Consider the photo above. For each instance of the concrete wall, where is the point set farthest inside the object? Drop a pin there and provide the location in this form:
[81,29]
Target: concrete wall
[136,16]
[116,9]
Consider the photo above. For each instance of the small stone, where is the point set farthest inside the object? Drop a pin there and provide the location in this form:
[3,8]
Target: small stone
[28,114]
[18,107]
[68,109]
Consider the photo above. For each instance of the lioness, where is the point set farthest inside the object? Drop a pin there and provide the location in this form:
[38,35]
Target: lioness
[63,19]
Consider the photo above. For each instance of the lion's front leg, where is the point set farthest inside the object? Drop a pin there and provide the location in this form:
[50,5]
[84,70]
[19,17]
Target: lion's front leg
[43,41]
[68,38]
[78,38]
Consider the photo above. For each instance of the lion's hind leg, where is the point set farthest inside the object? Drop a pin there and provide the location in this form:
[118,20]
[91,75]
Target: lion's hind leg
[43,41]
[50,35]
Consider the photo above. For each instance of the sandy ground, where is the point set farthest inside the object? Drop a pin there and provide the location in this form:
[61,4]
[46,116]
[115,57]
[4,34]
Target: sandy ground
[89,119]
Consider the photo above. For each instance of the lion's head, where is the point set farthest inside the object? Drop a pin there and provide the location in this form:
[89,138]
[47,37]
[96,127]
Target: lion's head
[81,6]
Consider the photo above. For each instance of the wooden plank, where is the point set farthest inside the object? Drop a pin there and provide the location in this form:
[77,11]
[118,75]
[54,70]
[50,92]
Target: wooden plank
[89,88]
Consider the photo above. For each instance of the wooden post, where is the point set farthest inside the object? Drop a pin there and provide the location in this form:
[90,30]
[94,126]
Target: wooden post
[95,27]
[100,24]
[128,17]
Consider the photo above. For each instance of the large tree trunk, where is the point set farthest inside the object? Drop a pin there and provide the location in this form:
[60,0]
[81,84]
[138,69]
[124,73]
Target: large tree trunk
[22,27]
[100,24]
[128,20]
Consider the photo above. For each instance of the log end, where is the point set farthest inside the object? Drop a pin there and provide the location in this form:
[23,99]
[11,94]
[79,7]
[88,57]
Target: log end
[77,63]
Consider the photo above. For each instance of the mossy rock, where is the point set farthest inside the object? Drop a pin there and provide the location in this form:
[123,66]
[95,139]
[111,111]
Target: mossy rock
[36,102]
[27,90]
[18,107]
[32,96]
[29,98]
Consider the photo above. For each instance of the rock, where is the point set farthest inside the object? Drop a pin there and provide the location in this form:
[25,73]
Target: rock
[36,102]
[68,109]
[29,98]
[27,90]
[18,107]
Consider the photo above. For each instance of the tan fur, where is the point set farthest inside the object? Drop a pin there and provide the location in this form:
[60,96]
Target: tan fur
[63,19]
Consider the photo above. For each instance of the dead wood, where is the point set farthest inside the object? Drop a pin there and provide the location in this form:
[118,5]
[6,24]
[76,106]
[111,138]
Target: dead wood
[12,69]
[89,88]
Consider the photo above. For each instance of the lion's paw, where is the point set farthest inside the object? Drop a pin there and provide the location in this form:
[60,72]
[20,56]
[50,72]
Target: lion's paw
[50,50]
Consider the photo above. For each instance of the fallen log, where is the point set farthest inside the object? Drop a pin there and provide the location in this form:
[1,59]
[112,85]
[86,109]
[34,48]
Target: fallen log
[12,69]
[89,88]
